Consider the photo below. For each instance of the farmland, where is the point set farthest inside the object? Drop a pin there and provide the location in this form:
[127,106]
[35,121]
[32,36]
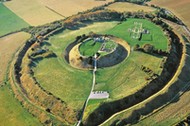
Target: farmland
[8,20]
[138,77]
[179,8]
[72,7]
[12,112]
[122,7]
[9,45]
[38,12]
[32,12]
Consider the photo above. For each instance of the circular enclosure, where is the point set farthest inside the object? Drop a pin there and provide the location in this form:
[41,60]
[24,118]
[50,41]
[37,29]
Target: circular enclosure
[109,49]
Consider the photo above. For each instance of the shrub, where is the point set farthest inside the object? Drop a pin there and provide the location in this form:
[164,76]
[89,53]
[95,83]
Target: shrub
[148,48]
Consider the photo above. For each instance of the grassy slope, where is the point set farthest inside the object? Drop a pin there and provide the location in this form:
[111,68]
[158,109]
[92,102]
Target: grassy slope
[11,111]
[9,21]
[122,7]
[178,7]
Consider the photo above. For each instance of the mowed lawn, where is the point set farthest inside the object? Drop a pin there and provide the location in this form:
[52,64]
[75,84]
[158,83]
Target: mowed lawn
[124,6]
[89,48]
[9,21]
[156,36]
[58,77]
[11,111]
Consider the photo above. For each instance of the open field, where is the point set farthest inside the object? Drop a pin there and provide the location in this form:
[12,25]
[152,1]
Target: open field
[49,83]
[129,74]
[11,111]
[58,77]
[71,7]
[38,12]
[123,6]
[179,7]
[9,45]
[9,21]
[32,12]
[158,39]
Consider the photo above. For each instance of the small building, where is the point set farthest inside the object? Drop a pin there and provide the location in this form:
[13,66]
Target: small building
[99,95]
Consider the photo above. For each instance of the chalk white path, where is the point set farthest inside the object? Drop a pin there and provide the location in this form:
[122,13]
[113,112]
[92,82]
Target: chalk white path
[93,95]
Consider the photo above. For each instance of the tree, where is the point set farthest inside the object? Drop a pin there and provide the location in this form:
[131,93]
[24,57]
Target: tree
[136,47]
[148,48]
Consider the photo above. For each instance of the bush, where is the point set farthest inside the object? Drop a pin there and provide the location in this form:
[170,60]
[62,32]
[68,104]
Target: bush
[136,47]
[148,48]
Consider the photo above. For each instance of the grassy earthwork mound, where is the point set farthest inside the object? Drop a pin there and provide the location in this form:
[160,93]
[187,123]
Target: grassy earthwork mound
[73,86]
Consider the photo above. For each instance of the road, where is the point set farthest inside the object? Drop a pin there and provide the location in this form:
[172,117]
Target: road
[93,84]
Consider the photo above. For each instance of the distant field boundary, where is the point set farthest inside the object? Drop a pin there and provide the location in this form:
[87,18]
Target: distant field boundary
[10,33]
[55,12]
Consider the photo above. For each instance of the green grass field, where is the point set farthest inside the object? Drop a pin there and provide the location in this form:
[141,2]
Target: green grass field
[159,40]
[89,48]
[73,85]
[110,45]
[58,77]
[11,111]
[9,21]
